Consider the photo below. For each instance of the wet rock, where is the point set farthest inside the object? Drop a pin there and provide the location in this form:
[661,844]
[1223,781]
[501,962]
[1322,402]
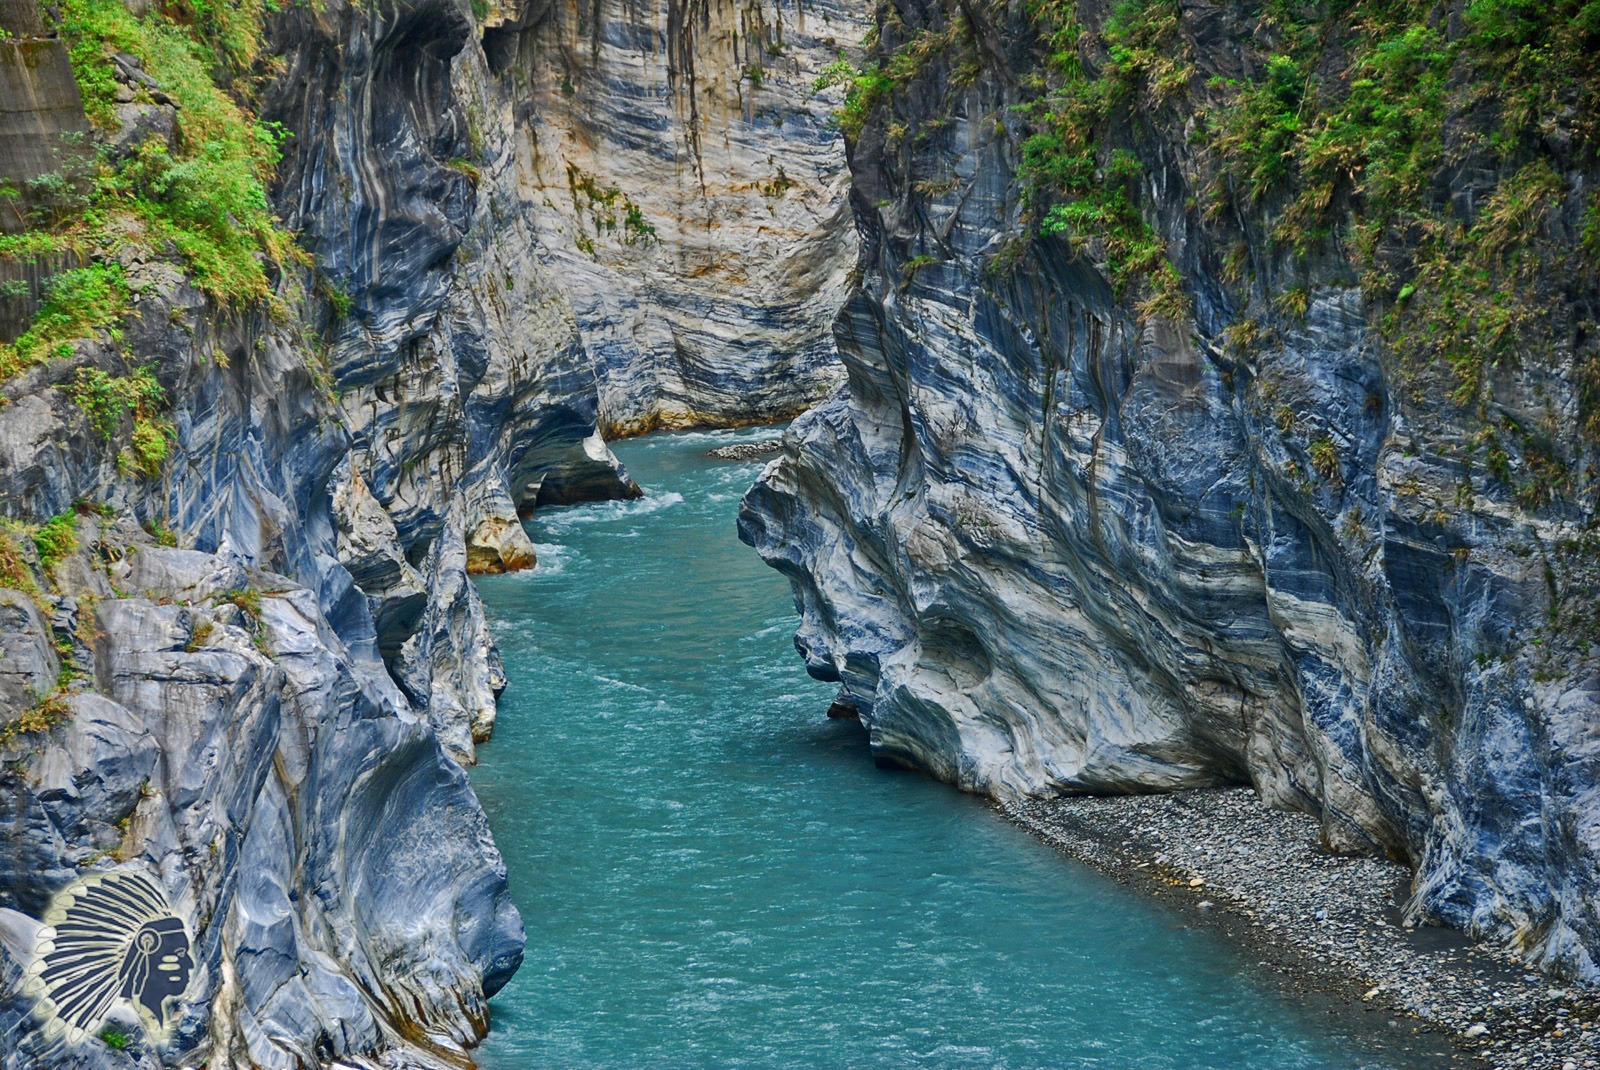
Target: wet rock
[746,451]
[499,544]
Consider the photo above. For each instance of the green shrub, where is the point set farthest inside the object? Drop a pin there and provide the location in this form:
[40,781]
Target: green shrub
[55,539]
[601,204]
[1325,459]
[1362,142]
[864,86]
[466,167]
[108,400]
[61,196]
[339,300]
[909,270]
[635,228]
[14,571]
[247,599]
[75,302]
[163,535]
[42,716]
[199,635]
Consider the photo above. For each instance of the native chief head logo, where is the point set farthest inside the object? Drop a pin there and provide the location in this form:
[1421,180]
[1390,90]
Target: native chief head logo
[110,937]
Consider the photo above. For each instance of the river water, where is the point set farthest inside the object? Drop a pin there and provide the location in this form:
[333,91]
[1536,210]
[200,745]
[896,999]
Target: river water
[713,875]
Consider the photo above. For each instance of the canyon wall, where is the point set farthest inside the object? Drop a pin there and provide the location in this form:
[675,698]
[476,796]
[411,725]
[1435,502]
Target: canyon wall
[1213,416]
[242,654]
[692,197]
[304,308]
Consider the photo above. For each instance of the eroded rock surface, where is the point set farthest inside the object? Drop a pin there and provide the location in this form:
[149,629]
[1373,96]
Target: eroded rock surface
[461,372]
[1048,543]
[692,196]
[257,668]
[328,854]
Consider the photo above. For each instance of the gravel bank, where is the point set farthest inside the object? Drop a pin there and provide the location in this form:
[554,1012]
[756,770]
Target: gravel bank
[1326,924]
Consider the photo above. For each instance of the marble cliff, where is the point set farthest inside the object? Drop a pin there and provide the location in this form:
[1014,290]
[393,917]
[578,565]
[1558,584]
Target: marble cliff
[692,195]
[1221,408]
[289,345]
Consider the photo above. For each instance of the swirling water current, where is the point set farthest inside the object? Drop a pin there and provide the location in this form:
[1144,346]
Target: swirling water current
[713,875]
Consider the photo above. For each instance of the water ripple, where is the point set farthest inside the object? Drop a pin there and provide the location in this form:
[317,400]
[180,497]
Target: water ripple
[712,875]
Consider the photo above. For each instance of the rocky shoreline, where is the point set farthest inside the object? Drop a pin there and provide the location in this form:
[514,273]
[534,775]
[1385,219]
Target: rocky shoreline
[1328,924]
[746,451]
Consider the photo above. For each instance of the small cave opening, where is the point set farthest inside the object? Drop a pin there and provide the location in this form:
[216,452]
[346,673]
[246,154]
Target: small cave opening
[501,44]
[417,552]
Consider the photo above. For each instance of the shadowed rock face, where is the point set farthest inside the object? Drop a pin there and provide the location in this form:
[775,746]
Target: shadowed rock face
[691,197]
[273,717]
[1046,547]
[461,372]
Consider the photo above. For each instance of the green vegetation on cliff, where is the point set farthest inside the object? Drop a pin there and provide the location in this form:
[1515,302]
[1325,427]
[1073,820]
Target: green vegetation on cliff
[206,193]
[178,170]
[1360,153]
[200,193]
[1255,171]
[1083,188]
[110,400]
[1353,114]
[1440,149]
[75,302]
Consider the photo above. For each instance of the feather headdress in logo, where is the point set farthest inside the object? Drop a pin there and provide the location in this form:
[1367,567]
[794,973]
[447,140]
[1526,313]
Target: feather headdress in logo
[110,936]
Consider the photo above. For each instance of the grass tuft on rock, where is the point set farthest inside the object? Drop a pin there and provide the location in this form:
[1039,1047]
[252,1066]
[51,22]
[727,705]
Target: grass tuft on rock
[204,195]
[75,303]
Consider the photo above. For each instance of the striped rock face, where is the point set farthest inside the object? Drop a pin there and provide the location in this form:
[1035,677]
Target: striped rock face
[691,197]
[1051,537]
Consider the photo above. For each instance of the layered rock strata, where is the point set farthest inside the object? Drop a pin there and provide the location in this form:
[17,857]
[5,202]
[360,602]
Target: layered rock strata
[1049,541]
[249,664]
[693,196]
[460,370]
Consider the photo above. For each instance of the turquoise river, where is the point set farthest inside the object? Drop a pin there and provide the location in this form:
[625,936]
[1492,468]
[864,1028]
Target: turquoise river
[714,875]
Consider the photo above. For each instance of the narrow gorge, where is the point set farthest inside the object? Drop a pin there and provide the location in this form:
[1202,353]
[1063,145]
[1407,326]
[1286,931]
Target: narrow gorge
[1184,395]
[291,346]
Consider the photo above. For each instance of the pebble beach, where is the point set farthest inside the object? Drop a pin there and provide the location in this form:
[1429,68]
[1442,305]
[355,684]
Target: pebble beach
[1326,923]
